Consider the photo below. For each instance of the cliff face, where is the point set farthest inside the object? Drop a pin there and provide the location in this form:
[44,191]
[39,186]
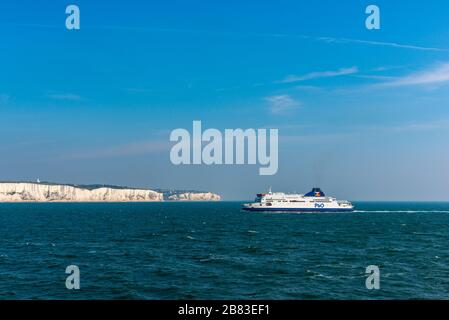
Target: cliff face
[20,192]
[191,196]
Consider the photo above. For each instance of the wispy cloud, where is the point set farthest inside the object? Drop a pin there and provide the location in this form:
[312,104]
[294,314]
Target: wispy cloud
[287,127]
[327,39]
[282,104]
[435,75]
[406,127]
[4,98]
[431,78]
[308,88]
[65,96]
[138,90]
[312,138]
[375,77]
[320,74]
[442,124]
[130,149]
[381,43]
[356,131]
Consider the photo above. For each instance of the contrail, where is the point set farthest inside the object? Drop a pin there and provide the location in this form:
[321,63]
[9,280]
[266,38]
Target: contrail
[327,39]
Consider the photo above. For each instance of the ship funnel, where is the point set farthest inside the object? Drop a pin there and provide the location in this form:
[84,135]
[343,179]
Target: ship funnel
[316,192]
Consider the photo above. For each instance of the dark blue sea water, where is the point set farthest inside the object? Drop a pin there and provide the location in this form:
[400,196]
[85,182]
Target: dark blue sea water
[215,251]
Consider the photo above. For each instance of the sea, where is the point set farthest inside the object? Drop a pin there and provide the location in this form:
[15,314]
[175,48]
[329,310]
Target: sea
[213,250]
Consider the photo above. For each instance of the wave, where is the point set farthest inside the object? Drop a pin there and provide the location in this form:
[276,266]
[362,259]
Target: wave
[401,211]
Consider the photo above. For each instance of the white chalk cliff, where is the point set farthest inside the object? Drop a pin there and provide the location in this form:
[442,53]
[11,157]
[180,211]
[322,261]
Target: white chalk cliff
[41,192]
[193,196]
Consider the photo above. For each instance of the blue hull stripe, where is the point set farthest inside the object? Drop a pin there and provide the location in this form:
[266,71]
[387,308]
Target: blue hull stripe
[297,210]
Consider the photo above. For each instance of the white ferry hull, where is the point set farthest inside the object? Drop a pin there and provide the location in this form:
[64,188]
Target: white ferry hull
[296,210]
[314,201]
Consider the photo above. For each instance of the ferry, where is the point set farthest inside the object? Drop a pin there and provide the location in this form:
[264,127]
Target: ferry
[314,201]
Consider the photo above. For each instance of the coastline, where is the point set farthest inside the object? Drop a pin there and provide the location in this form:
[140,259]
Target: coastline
[17,192]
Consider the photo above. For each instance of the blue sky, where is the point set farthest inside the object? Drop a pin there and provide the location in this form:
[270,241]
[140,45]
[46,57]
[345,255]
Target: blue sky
[364,114]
